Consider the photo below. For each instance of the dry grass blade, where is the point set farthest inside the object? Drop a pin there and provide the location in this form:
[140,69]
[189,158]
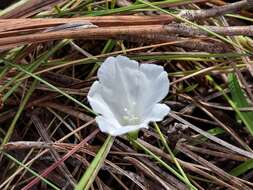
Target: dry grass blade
[60,161]
[26,8]
[213,138]
[149,172]
[102,21]
[225,176]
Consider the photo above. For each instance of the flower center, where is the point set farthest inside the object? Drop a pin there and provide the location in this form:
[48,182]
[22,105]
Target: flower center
[130,117]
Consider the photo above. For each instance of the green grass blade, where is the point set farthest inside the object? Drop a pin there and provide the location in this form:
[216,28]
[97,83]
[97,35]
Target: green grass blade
[107,48]
[233,105]
[3,72]
[49,85]
[164,142]
[131,7]
[31,171]
[163,163]
[240,101]
[21,108]
[242,168]
[93,169]
[31,68]
[195,25]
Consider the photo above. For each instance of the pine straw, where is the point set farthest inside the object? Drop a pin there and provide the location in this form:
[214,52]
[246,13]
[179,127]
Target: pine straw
[58,138]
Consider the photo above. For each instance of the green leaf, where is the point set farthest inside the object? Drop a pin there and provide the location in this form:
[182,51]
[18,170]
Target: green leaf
[242,168]
[93,169]
[240,101]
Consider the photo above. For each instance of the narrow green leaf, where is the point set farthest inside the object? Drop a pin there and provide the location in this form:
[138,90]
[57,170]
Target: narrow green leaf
[20,109]
[242,168]
[93,169]
[130,8]
[164,164]
[33,66]
[232,104]
[107,48]
[240,101]
[195,25]
[164,142]
[49,85]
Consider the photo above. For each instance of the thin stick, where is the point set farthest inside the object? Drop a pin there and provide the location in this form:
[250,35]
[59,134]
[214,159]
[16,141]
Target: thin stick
[213,138]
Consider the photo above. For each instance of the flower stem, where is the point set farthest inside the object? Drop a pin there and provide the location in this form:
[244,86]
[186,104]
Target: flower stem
[132,136]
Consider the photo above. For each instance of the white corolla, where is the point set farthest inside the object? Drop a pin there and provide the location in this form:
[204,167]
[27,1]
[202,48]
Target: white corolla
[126,97]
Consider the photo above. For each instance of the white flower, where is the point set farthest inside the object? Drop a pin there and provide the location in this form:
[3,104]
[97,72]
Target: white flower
[127,95]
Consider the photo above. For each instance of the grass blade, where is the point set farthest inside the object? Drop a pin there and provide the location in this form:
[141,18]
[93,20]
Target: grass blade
[242,168]
[93,169]
[163,163]
[49,85]
[31,171]
[164,142]
[240,101]
[21,108]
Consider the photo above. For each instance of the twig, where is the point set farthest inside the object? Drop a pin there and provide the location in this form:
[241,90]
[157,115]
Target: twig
[118,32]
[201,170]
[217,11]
[147,171]
[101,21]
[227,177]
[206,151]
[213,138]
[185,30]
[41,130]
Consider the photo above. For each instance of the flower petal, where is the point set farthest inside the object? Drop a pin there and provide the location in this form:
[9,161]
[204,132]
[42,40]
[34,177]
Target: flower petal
[113,128]
[158,112]
[154,88]
[114,68]
[120,78]
[97,102]
[159,82]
